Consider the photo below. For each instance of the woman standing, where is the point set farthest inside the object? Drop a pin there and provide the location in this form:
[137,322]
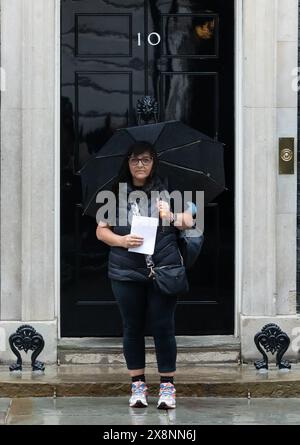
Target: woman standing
[135,293]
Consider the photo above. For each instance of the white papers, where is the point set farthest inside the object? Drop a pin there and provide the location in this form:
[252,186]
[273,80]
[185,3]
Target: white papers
[145,227]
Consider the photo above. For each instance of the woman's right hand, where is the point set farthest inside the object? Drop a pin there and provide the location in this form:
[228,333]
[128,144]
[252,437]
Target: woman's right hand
[132,240]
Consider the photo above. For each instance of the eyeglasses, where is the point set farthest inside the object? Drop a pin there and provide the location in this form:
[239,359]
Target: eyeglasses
[145,161]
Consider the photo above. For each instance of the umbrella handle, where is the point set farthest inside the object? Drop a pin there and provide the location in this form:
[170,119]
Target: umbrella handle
[162,215]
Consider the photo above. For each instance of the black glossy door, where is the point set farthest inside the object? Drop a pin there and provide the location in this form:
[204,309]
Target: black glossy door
[105,69]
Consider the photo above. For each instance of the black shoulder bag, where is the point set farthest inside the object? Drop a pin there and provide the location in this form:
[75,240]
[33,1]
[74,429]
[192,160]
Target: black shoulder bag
[169,279]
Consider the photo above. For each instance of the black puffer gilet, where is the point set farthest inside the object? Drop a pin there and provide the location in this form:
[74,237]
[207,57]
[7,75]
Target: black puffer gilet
[131,266]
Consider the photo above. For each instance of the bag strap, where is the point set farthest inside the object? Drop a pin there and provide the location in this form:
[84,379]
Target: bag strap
[150,265]
[148,258]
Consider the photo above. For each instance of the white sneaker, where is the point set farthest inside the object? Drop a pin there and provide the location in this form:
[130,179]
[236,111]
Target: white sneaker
[139,397]
[167,394]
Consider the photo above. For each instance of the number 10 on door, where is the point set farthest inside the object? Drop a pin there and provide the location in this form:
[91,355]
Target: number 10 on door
[153,39]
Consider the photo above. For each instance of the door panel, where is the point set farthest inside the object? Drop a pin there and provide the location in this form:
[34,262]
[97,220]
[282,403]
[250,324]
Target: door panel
[104,72]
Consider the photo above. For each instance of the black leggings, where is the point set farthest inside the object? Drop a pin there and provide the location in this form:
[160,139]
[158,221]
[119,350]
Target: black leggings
[134,299]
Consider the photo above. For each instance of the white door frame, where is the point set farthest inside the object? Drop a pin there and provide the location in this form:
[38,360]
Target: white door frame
[57,165]
[238,131]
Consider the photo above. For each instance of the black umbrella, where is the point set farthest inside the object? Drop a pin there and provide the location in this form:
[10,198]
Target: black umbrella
[189,160]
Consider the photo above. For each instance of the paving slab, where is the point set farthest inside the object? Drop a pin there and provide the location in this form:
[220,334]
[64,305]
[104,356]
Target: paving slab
[84,411]
[190,411]
[4,406]
[235,411]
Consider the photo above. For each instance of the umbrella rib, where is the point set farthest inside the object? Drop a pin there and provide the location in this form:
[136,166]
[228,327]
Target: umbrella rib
[133,139]
[96,193]
[179,146]
[160,133]
[111,156]
[119,130]
[191,170]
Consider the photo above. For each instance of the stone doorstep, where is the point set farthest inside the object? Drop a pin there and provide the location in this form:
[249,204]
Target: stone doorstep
[191,381]
[109,351]
[204,341]
[74,357]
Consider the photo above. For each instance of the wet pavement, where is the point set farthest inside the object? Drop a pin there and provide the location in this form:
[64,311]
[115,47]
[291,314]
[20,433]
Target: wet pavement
[98,395]
[115,411]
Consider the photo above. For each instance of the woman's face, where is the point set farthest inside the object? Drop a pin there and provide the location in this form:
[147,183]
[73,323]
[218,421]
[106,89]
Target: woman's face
[140,166]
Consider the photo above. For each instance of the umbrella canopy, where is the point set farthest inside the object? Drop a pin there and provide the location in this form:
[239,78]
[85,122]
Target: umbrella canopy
[189,160]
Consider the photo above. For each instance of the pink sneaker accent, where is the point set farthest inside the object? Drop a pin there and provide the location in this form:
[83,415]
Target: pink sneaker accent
[167,396]
[139,396]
